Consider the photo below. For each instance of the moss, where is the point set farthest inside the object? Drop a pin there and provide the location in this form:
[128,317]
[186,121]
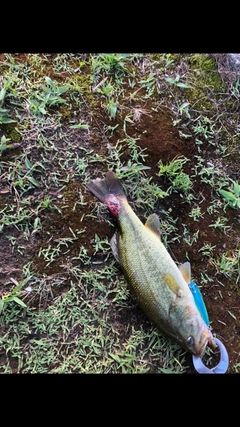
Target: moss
[65,112]
[198,100]
[81,83]
[39,66]
[206,69]
[11,131]
[15,135]
[206,80]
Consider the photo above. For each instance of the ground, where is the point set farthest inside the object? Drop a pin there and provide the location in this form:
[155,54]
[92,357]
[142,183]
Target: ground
[168,125]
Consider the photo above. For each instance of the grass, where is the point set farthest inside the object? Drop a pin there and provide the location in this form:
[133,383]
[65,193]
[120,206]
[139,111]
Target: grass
[65,118]
[232,197]
[174,171]
[12,296]
[75,334]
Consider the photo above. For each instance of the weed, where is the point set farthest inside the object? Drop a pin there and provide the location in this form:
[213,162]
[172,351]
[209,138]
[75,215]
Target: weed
[180,181]
[207,173]
[80,126]
[207,249]
[100,245]
[228,263]
[4,116]
[205,278]
[204,127]
[111,107]
[149,84]
[5,146]
[169,229]
[4,112]
[134,164]
[221,224]
[188,237]
[232,197]
[110,63]
[184,109]
[176,82]
[196,213]
[13,295]
[237,368]
[83,255]
[50,96]
[22,175]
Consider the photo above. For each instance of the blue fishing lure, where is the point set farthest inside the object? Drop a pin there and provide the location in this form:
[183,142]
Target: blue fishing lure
[199,301]
[186,272]
[222,366]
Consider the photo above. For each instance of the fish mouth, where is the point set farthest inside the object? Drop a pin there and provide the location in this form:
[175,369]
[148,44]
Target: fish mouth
[205,339]
[200,350]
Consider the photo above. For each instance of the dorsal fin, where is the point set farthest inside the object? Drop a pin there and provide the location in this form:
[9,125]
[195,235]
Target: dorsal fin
[186,271]
[172,284]
[153,224]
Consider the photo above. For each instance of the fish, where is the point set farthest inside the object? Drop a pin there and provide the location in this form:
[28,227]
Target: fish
[158,284]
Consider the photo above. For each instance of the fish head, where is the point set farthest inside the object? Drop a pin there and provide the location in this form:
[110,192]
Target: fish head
[198,340]
[193,333]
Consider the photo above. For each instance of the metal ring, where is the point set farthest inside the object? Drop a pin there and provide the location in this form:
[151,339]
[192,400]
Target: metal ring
[222,366]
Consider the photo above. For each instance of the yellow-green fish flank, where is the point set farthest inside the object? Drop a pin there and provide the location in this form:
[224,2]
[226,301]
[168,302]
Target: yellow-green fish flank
[153,277]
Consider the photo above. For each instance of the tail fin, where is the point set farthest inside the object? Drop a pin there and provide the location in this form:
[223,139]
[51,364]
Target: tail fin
[110,185]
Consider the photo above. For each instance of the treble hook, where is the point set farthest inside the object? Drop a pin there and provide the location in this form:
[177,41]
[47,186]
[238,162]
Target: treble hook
[222,366]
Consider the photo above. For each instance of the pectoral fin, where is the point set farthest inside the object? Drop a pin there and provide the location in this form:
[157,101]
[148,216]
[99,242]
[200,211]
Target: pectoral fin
[114,247]
[186,271]
[172,284]
[153,224]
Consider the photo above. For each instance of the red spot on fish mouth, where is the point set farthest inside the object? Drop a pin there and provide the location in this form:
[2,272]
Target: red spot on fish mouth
[113,204]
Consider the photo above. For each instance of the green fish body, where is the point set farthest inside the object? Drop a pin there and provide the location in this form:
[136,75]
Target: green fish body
[158,284]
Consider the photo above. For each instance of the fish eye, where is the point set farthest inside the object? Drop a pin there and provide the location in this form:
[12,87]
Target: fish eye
[190,341]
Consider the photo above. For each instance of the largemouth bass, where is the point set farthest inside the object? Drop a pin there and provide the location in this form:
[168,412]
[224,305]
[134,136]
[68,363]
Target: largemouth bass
[160,287]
